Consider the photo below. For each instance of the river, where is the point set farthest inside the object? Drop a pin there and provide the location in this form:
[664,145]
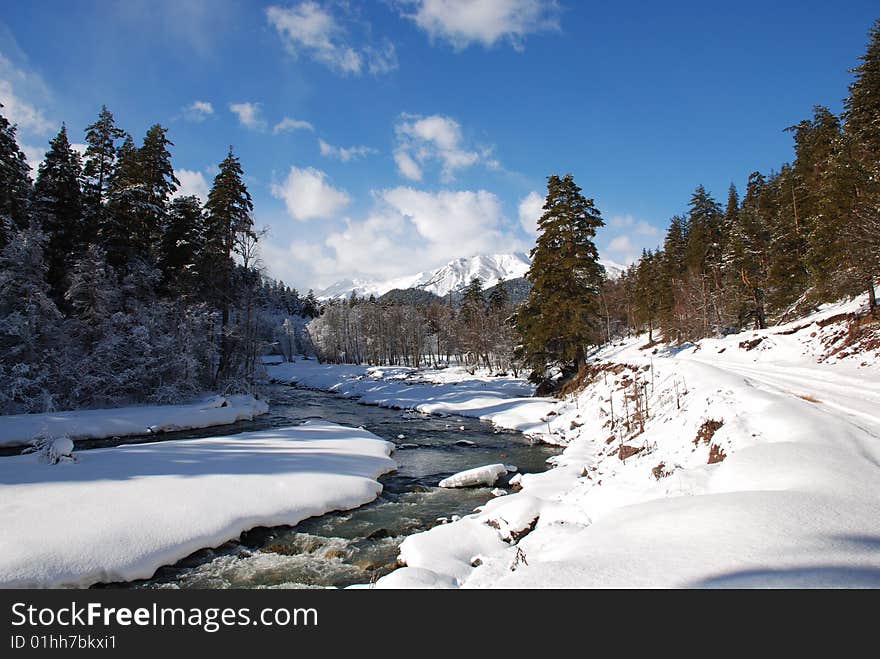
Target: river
[360,545]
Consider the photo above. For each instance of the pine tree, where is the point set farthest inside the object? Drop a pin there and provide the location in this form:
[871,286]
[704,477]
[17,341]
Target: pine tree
[745,259]
[181,246]
[15,183]
[57,205]
[560,316]
[704,233]
[862,115]
[311,308]
[118,222]
[158,181]
[646,293]
[228,223]
[472,300]
[862,106]
[499,299]
[100,159]
[787,276]
[703,251]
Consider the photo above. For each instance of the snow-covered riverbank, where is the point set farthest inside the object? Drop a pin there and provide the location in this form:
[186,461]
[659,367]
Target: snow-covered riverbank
[751,460]
[505,401]
[120,513]
[20,429]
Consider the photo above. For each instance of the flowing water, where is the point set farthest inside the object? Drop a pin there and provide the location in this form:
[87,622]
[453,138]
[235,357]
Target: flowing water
[360,545]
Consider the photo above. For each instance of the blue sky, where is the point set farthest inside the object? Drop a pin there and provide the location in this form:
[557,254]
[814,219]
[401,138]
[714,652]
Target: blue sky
[386,137]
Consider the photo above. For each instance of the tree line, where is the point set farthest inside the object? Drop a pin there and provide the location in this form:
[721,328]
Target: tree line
[474,333]
[806,234]
[112,290]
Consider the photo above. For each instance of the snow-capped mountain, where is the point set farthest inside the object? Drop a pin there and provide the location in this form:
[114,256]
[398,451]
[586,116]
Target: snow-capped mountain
[452,277]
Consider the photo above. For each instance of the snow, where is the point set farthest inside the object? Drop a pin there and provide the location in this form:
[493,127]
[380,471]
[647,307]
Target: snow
[120,513]
[476,477]
[21,429]
[793,503]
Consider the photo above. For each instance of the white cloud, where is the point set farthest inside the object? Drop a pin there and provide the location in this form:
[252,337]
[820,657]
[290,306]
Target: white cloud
[630,224]
[289,124]
[34,155]
[531,207]
[345,154]
[421,140]
[248,115]
[625,237]
[198,111]
[308,195]
[16,88]
[408,167]
[191,183]
[622,250]
[486,22]
[408,231]
[310,29]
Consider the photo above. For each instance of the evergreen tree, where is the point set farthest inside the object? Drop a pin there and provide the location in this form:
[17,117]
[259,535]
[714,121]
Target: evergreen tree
[745,259]
[118,224]
[646,291]
[704,233]
[158,183]
[472,300]
[15,183]
[787,276]
[57,205]
[862,114]
[100,159]
[311,308]
[862,106]
[499,300]
[228,223]
[560,315]
[181,245]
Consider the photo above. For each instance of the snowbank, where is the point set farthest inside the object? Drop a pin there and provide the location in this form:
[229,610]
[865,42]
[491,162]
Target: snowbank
[118,514]
[476,477]
[20,429]
[747,461]
[505,401]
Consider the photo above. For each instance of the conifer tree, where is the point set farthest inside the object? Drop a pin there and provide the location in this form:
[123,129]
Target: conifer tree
[499,300]
[745,258]
[117,224]
[472,300]
[560,316]
[787,276]
[15,183]
[862,115]
[181,245]
[100,158]
[862,106]
[646,291]
[228,223]
[57,205]
[158,182]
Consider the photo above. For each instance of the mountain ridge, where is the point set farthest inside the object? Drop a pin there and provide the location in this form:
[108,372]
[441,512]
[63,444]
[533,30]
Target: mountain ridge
[449,278]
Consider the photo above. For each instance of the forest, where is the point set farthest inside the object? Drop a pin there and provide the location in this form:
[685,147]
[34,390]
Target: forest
[114,291]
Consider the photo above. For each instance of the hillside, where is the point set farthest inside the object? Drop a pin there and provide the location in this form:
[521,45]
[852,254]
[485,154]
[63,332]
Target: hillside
[747,460]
